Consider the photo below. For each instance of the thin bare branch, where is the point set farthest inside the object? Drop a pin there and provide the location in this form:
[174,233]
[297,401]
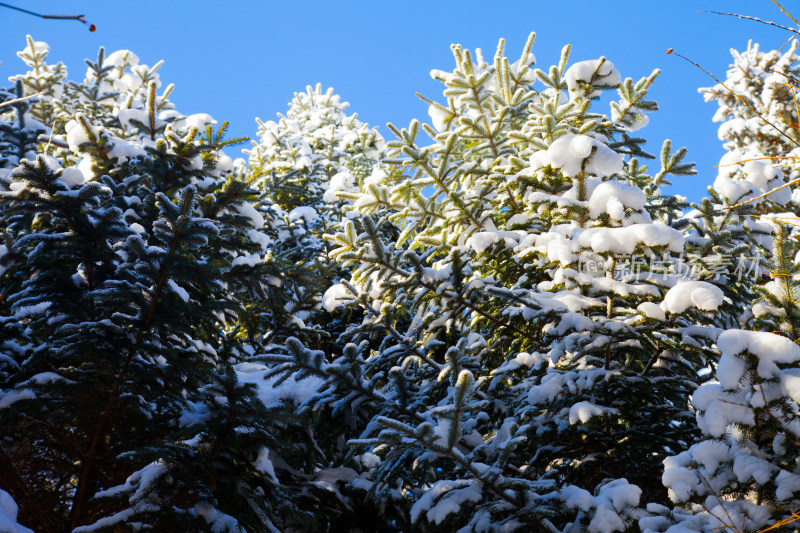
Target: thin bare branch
[756,19]
[79,18]
[18,100]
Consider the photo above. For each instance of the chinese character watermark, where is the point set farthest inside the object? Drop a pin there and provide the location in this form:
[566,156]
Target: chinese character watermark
[716,267]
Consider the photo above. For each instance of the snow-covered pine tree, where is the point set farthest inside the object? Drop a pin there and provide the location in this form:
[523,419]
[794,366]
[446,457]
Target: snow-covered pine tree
[531,337]
[313,153]
[43,80]
[19,131]
[753,190]
[759,122]
[307,166]
[131,244]
[742,476]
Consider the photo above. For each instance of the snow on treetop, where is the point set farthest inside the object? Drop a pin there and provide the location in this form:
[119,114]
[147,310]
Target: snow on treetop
[121,59]
[585,75]
[34,48]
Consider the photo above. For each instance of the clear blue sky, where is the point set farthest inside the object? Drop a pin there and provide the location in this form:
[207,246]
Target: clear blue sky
[242,59]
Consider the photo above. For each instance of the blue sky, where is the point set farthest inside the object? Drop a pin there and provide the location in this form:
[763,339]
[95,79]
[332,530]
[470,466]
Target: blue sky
[242,59]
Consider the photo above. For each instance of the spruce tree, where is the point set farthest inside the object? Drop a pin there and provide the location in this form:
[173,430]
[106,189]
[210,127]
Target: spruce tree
[742,475]
[131,247]
[310,167]
[307,166]
[530,337]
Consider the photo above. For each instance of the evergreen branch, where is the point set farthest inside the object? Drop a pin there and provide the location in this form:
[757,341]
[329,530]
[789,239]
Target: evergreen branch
[456,457]
[391,329]
[87,468]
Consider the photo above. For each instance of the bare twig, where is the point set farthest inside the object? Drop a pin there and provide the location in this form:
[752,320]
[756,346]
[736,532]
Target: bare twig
[79,18]
[786,12]
[18,100]
[756,19]
[742,100]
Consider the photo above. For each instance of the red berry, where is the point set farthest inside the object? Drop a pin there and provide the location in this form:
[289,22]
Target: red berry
[92,27]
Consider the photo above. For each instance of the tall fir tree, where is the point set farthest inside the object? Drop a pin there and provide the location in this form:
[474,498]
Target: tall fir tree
[742,475]
[531,335]
[307,166]
[131,248]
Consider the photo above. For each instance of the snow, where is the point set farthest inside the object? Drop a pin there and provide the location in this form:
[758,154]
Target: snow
[72,177]
[483,240]
[218,521]
[692,293]
[117,518]
[791,383]
[8,515]
[259,238]
[250,260]
[573,152]
[198,121]
[574,321]
[43,378]
[264,465]
[247,209]
[613,198]
[31,310]
[121,59]
[624,241]
[369,460]
[770,349]
[584,411]
[336,296]
[38,48]
[577,498]
[12,396]
[126,116]
[652,310]
[305,213]
[592,73]
[445,497]
[788,485]
[747,467]
[711,453]
[439,117]
[177,289]
[730,370]
[340,182]
[437,273]
[76,135]
[719,409]
[272,393]
[612,499]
